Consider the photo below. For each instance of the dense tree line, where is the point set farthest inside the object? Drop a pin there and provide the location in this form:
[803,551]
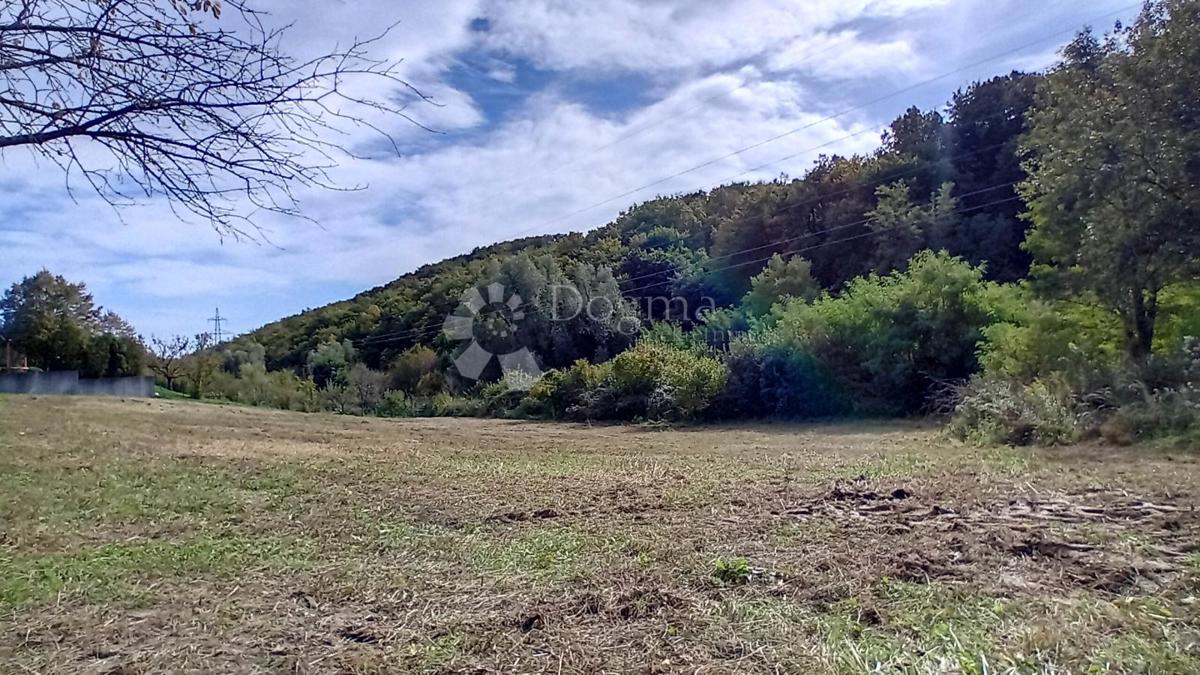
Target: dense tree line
[54,324]
[944,183]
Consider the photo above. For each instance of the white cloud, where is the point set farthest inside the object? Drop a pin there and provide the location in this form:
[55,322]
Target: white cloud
[669,34]
[845,55]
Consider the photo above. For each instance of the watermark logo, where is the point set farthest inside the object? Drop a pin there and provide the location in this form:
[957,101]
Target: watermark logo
[491,324]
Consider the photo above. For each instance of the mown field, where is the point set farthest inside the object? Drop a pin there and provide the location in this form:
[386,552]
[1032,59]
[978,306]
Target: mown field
[172,536]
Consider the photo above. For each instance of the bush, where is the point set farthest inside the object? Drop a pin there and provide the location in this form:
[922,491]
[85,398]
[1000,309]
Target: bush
[1032,338]
[407,369]
[1163,414]
[398,404]
[500,398]
[995,410]
[431,383]
[366,387]
[253,385]
[651,380]
[771,380]
[567,393]
[890,340]
[448,405]
[657,381]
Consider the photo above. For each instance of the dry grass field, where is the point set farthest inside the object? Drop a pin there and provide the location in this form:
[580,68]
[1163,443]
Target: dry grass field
[144,537]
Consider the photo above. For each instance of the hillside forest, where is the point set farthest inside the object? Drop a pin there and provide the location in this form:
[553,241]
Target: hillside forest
[1022,260]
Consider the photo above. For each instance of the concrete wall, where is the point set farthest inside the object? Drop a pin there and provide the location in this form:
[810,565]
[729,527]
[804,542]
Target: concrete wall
[67,383]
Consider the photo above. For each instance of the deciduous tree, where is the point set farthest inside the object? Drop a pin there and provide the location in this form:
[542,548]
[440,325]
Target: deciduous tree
[1114,187]
[195,101]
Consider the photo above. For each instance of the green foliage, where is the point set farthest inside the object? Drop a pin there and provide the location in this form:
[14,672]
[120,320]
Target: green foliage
[280,389]
[56,325]
[110,355]
[767,379]
[1112,186]
[679,257]
[1003,411]
[1161,414]
[892,339]
[1033,337]
[662,382]
[650,381]
[908,227]
[1178,317]
[567,393]
[732,571]
[407,369]
[780,280]
[397,404]
[330,363]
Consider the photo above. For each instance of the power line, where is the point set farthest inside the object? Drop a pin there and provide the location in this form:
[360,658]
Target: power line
[882,180]
[794,252]
[777,137]
[434,329]
[841,113]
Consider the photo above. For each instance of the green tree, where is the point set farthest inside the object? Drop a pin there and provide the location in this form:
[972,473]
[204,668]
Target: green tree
[202,366]
[905,227]
[57,325]
[890,340]
[111,355]
[987,120]
[408,368]
[329,362]
[781,279]
[1114,187]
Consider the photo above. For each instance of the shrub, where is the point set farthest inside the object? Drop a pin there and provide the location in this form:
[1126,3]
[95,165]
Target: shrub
[366,387]
[771,380]
[407,369]
[651,380]
[501,398]
[1163,414]
[336,398]
[892,339]
[398,404]
[565,393]
[1032,338]
[655,380]
[995,410]
[253,385]
[448,405]
[431,383]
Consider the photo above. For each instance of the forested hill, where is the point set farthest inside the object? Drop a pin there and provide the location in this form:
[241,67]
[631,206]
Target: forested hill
[940,181]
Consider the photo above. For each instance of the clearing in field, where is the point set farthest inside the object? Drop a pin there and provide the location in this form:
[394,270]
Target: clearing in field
[147,536]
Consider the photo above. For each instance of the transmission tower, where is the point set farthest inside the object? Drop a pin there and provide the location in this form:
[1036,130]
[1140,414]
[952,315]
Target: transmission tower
[217,321]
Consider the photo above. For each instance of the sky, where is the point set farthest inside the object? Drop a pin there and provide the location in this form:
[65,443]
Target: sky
[551,116]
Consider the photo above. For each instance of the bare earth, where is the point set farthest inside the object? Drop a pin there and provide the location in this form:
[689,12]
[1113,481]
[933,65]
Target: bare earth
[157,536]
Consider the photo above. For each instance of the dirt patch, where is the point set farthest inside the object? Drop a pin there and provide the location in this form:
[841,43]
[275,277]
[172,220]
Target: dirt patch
[1028,543]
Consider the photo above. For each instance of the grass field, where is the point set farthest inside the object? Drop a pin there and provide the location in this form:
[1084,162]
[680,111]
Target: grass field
[152,536]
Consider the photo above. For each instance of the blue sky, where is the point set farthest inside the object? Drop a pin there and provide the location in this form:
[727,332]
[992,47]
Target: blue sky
[547,107]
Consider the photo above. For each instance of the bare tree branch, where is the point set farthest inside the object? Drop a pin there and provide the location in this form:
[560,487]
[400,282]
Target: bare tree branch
[158,98]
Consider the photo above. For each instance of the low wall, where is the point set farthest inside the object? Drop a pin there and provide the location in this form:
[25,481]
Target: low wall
[67,383]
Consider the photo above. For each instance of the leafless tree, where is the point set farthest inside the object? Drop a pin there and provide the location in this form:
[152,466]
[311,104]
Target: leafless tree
[167,357]
[193,100]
